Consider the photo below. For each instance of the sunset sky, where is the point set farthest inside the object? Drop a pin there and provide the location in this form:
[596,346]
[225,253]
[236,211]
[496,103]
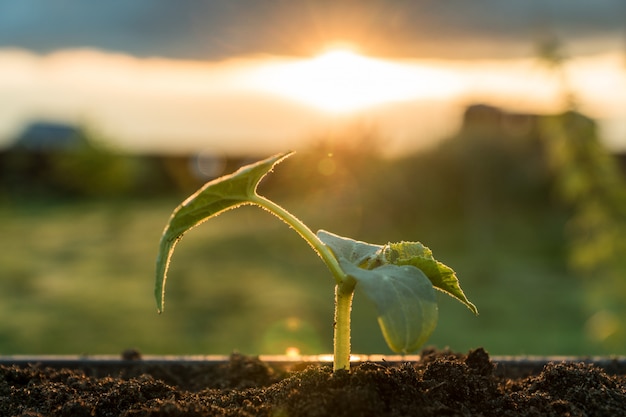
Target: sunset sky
[262,76]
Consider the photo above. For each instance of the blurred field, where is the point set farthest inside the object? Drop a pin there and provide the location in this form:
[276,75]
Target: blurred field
[77,278]
[77,275]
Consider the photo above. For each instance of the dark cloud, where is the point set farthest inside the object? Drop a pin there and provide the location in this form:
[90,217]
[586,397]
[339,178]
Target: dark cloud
[213,29]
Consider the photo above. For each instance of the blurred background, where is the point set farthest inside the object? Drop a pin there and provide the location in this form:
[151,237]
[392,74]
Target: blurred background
[492,131]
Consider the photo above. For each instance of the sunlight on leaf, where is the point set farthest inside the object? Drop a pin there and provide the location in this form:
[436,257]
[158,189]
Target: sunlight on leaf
[212,199]
[369,256]
[442,277]
[403,295]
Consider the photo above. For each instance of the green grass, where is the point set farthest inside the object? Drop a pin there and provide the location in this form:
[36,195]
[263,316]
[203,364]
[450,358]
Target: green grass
[78,278]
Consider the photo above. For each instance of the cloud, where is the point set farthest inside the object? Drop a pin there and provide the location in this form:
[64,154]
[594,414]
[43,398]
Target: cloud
[215,29]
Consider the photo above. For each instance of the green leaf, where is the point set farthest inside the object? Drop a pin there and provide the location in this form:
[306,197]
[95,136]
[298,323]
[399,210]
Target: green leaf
[403,295]
[405,300]
[442,277]
[212,199]
[369,256]
[354,251]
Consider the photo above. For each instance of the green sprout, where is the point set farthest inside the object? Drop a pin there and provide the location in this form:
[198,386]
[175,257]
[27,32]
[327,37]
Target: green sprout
[400,278]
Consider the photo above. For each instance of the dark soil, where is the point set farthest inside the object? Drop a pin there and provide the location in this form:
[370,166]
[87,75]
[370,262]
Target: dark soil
[441,384]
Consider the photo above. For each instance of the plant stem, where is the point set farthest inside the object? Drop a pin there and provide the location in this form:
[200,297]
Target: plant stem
[344,285]
[306,233]
[343,307]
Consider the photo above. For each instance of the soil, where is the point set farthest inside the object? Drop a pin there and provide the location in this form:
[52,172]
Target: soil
[442,383]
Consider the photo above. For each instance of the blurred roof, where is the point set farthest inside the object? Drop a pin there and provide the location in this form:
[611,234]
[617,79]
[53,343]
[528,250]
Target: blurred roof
[49,136]
[214,29]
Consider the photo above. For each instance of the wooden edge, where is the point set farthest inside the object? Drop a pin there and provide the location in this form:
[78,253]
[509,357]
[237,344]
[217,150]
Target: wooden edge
[510,366]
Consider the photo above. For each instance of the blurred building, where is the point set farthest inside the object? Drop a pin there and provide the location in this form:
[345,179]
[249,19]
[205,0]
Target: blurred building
[55,159]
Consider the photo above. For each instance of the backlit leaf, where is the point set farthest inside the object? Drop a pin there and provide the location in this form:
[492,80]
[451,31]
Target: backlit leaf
[369,256]
[403,294]
[442,277]
[212,199]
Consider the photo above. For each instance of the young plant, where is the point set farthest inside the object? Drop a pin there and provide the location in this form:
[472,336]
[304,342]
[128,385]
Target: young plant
[399,278]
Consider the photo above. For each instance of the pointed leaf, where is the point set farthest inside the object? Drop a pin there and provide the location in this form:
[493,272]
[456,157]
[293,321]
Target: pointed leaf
[370,256]
[442,277]
[405,300]
[212,199]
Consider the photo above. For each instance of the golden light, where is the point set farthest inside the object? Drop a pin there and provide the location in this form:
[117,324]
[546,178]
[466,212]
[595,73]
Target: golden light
[292,352]
[340,80]
[263,104]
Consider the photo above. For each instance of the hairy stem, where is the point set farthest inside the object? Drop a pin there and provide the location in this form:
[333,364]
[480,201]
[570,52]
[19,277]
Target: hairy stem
[343,307]
[306,233]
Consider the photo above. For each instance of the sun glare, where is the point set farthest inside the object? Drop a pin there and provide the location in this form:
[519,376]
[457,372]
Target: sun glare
[264,103]
[340,81]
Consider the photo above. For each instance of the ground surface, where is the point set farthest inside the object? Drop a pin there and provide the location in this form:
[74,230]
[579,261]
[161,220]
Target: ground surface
[442,384]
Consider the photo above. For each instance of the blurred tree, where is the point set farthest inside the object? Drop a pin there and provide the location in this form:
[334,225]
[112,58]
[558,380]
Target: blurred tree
[589,181]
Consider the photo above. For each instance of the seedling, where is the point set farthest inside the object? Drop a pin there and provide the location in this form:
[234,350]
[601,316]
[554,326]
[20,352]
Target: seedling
[400,278]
